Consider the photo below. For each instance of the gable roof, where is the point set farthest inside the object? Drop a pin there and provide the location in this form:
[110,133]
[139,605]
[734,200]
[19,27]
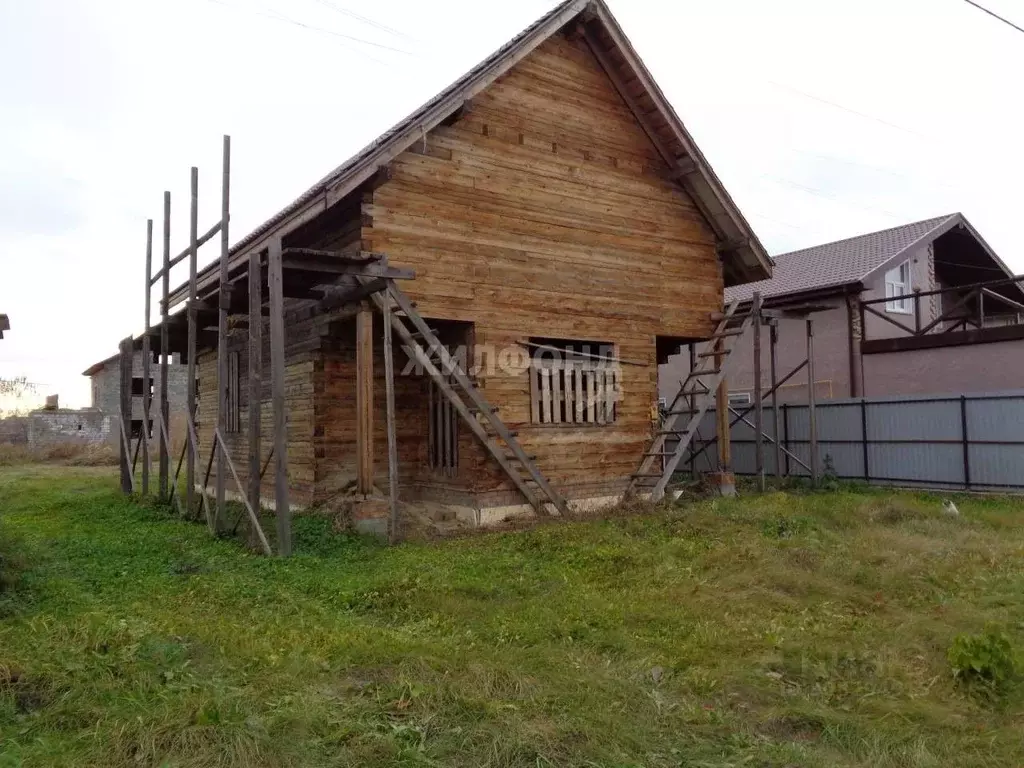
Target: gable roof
[853,260]
[743,256]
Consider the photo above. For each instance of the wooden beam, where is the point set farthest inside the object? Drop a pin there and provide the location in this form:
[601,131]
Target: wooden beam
[389,393]
[275,274]
[361,269]
[125,361]
[255,376]
[147,362]
[200,242]
[364,401]
[337,299]
[190,464]
[223,372]
[758,399]
[165,409]
[722,414]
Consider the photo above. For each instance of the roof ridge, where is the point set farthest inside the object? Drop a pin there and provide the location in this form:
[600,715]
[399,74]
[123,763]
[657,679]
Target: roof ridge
[937,219]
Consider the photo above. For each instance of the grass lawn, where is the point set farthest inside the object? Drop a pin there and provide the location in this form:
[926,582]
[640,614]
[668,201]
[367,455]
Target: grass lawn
[783,630]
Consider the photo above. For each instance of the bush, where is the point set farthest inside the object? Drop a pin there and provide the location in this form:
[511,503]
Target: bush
[74,454]
[987,659]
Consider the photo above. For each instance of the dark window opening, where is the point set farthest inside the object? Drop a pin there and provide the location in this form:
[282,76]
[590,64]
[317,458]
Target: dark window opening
[138,386]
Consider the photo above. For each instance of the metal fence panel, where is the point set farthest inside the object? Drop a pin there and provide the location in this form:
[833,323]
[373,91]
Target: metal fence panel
[909,440]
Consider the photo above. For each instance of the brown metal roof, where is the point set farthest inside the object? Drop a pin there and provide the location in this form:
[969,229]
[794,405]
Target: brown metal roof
[744,258]
[849,261]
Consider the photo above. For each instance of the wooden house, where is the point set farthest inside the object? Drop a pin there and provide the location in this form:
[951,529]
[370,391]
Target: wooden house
[549,221]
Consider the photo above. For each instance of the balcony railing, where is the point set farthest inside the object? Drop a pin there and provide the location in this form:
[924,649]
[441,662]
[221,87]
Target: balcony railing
[968,309]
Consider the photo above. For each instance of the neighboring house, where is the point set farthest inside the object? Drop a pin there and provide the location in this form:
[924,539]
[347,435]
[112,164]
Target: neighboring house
[5,325]
[954,337]
[105,383]
[550,198]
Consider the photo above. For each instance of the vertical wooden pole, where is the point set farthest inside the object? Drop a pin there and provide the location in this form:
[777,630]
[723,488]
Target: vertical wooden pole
[255,376]
[722,416]
[758,402]
[190,463]
[125,361]
[223,372]
[165,355]
[812,419]
[773,335]
[389,383]
[691,401]
[147,361]
[364,400]
[275,279]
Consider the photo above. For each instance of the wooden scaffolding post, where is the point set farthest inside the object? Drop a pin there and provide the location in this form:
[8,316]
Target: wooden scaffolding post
[165,309]
[193,248]
[275,278]
[223,372]
[692,405]
[255,376]
[389,383]
[722,419]
[812,420]
[773,336]
[125,416]
[147,362]
[758,404]
[364,400]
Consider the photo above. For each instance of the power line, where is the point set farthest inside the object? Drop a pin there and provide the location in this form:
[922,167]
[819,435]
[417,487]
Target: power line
[364,19]
[995,15]
[828,195]
[275,15]
[844,109]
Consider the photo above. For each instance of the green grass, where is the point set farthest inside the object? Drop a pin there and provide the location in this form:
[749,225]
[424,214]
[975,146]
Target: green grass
[785,630]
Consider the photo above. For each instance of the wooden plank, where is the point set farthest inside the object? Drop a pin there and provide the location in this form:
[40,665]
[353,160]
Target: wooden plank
[556,392]
[190,450]
[277,366]
[535,393]
[592,397]
[223,363]
[194,440]
[165,410]
[545,393]
[255,377]
[722,412]
[125,359]
[147,362]
[755,312]
[580,401]
[253,517]
[389,395]
[364,401]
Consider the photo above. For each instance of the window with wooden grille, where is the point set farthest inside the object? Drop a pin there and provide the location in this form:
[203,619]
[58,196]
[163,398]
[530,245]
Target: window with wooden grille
[574,382]
[443,431]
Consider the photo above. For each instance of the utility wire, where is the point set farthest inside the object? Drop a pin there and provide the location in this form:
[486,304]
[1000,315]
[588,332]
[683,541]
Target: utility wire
[364,19]
[277,16]
[866,116]
[995,15]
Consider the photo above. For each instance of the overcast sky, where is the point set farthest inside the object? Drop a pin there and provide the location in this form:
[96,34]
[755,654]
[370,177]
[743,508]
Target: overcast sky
[824,118]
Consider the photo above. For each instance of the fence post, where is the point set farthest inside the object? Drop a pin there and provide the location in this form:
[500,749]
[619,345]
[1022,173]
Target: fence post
[785,433]
[965,441]
[864,437]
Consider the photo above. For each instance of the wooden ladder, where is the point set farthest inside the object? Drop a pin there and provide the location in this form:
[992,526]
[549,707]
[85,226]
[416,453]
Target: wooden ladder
[700,385]
[460,391]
